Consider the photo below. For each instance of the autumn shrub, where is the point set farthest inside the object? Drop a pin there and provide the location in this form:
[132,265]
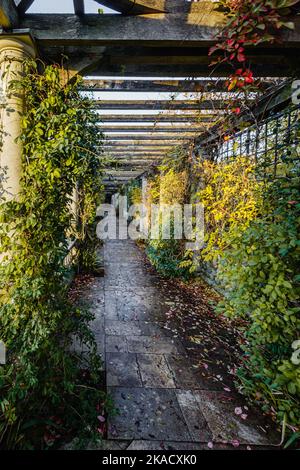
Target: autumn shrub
[260,271]
[167,188]
[231,196]
[134,193]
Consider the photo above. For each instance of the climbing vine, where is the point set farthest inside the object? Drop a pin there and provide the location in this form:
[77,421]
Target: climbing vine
[43,395]
[260,270]
[249,23]
[232,197]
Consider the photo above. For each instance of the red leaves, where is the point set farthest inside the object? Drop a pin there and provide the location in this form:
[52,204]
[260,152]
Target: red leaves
[251,22]
[240,79]
[241,58]
[237,110]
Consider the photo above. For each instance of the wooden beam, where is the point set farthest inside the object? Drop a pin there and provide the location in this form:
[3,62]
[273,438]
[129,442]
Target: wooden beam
[135,161]
[194,105]
[134,7]
[134,153]
[158,118]
[165,30]
[9,18]
[132,165]
[24,5]
[78,7]
[270,103]
[148,137]
[139,148]
[153,129]
[198,70]
[150,30]
[110,142]
[138,152]
[175,86]
[121,172]
[79,65]
[146,158]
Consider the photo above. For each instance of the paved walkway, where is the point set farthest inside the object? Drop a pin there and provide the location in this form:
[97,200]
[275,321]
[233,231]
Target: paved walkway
[162,405]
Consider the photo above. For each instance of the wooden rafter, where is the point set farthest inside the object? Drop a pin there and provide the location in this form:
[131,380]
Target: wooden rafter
[24,5]
[154,85]
[134,7]
[78,7]
[149,137]
[154,130]
[8,14]
[159,118]
[160,104]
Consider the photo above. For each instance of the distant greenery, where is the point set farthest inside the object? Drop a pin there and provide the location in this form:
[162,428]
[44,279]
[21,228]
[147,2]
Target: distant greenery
[169,187]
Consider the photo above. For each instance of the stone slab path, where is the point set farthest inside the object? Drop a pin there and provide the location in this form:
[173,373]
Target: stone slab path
[161,403]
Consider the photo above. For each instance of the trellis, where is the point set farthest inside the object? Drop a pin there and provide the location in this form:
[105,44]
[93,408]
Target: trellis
[265,142]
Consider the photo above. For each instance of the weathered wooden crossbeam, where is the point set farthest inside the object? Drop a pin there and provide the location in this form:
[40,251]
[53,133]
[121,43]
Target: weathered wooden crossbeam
[153,86]
[129,144]
[8,14]
[24,5]
[137,154]
[133,7]
[136,161]
[150,137]
[78,7]
[193,118]
[154,129]
[160,104]
[167,30]
[138,149]
[157,29]
[131,156]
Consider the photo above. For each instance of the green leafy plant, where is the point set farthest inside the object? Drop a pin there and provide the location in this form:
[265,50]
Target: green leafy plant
[260,271]
[43,389]
[231,196]
[169,187]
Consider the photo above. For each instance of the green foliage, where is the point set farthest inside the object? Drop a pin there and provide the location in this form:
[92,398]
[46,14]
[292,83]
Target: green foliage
[252,219]
[37,322]
[167,255]
[177,159]
[169,188]
[134,192]
[260,271]
[231,196]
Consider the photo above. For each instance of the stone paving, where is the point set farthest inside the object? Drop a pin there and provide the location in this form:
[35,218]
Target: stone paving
[161,404]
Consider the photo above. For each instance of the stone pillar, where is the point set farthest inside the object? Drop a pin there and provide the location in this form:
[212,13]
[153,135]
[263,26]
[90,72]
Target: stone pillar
[144,216]
[74,206]
[13,50]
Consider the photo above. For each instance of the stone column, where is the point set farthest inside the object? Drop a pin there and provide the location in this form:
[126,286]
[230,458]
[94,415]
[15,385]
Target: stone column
[13,50]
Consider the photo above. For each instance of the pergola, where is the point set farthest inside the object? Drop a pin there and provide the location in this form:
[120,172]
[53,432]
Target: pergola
[150,46]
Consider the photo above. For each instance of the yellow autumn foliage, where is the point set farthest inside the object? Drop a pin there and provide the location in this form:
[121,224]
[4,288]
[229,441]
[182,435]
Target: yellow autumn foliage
[231,196]
[173,187]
